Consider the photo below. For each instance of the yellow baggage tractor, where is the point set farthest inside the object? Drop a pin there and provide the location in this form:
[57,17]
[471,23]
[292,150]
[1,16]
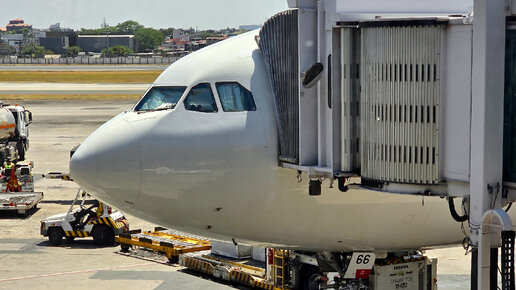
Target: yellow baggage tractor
[86,217]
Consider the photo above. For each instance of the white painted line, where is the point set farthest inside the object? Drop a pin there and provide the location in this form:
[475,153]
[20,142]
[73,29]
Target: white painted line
[75,272]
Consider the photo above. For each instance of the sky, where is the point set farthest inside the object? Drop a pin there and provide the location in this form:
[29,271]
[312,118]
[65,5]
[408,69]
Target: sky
[203,14]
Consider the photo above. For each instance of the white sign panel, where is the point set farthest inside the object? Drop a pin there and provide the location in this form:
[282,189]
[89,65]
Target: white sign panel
[360,265]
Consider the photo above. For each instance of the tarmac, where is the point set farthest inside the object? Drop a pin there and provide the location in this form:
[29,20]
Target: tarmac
[11,88]
[27,260]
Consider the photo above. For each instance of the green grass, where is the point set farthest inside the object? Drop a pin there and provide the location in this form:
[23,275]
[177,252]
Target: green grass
[86,77]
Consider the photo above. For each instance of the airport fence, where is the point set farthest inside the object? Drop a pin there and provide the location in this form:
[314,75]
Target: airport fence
[90,60]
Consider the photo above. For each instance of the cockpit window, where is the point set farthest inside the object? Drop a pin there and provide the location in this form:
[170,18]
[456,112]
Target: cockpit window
[200,99]
[160,98]
[234,97]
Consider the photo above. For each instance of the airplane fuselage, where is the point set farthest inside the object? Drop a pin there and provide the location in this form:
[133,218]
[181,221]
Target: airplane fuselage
[216,174]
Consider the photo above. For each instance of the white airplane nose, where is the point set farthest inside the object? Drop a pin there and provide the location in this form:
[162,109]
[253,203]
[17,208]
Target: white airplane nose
[108,164]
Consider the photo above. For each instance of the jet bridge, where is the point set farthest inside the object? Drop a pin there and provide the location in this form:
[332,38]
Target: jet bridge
[410,96]
[391,103]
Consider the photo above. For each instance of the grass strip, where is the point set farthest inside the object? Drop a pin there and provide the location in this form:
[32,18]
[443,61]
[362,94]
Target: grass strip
[69,97]
[88,77]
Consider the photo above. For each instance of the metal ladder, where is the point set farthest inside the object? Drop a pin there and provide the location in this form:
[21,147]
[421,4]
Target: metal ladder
[278,267]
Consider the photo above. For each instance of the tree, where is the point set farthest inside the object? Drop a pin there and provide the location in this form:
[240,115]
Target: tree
[100,31]
[148,39]
[128,27]
[34,50]
[161,52]
[5,49]
[26,32]
[73,51]
[117,50]
[207,33]
[167,32]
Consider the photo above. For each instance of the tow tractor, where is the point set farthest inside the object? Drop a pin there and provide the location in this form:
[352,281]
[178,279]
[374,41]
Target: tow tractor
[86,217]
[17,191]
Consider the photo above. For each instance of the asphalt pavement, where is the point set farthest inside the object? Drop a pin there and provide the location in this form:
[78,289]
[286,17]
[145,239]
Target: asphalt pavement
[28,261]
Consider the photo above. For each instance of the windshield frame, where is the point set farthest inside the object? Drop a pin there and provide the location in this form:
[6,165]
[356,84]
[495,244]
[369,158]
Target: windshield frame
[143,98]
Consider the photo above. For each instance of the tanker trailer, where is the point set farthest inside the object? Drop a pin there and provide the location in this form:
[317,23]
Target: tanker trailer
[14,132]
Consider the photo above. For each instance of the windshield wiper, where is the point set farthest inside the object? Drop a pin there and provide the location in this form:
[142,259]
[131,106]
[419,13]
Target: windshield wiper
[161,109]
[154,110]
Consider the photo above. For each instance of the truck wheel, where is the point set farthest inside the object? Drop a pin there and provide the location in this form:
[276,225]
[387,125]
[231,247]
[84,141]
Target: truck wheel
[125,248]
[173,259]
[311,279]
[103,235]
[55,235]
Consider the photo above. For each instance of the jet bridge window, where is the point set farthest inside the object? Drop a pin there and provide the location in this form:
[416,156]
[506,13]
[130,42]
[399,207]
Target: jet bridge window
[234,97]
[160,98]
[200,99]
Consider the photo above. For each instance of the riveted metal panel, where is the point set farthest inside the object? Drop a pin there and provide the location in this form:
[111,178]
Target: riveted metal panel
[400,103]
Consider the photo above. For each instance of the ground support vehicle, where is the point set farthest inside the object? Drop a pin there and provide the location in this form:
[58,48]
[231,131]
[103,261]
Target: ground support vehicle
[26,198]
[168,242]
[14,132]
[86,217]
[23,174]
[20,201]
[58,175]
[246,272]
[283,269]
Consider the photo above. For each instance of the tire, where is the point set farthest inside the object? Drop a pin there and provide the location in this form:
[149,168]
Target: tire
[311,279]
[173,259]
[55,235]
[103,235]
[124,248]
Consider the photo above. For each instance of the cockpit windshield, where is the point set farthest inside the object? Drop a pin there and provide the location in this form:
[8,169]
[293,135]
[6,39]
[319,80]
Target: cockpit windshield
[160,98]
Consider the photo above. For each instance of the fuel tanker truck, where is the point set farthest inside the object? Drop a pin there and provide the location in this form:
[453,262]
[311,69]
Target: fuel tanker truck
[14,132]
[16,183]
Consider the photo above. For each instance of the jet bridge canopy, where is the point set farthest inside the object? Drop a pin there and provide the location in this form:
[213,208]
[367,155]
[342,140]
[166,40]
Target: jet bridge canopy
[279,45]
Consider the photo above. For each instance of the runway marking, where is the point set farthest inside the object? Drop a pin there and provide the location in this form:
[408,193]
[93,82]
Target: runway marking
[75,272]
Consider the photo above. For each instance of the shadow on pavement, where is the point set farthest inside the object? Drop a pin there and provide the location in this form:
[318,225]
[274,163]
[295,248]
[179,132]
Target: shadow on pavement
[81,243]
[13,214]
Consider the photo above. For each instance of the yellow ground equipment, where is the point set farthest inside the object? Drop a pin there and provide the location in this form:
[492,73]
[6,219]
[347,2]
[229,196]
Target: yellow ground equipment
[168,242]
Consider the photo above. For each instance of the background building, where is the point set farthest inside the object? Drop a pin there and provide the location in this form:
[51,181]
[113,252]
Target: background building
[15,41]
[17,24]
[55,44]
[96,43]
[213,39]
[180,34]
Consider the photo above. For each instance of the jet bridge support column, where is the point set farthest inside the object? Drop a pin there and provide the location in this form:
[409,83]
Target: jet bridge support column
[486,125]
